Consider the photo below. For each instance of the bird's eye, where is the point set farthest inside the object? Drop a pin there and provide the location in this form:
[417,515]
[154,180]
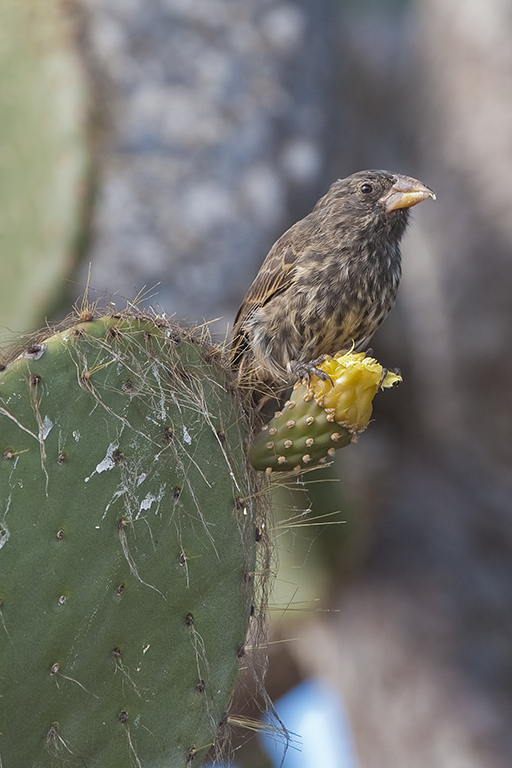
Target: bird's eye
[366,188]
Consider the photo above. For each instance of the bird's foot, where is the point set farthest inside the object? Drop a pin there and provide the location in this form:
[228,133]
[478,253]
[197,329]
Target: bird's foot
[306,370]
[383,375]
[385,372]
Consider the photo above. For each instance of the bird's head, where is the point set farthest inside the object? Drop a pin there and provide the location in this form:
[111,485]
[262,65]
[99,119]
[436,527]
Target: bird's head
[373,201]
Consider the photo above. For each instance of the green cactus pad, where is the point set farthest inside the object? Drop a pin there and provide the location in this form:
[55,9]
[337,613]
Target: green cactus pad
[126,548]
[44,158]
[301,435]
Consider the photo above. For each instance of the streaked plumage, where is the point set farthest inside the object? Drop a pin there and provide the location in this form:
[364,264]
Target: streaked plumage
[329,281]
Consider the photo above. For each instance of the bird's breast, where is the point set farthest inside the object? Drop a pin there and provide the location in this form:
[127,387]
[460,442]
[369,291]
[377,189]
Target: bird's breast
[352,277]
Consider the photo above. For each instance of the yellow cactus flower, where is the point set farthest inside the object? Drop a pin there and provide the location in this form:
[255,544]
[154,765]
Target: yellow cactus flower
[356,380]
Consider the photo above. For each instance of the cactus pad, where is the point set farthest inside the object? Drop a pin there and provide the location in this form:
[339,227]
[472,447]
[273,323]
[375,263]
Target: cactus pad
[126,548]
[44,158]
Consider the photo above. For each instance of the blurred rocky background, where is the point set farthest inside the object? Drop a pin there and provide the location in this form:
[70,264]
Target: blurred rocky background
[212,125]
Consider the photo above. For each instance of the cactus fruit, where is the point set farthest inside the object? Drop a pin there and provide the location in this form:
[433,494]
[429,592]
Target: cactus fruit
[322,416]
[127,548]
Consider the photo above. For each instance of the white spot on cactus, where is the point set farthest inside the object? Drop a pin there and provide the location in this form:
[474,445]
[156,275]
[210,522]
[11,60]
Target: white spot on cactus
[76,435]
[148,501]
[34,353]
[141,479]
[114,498]
[146,648]
[4,535]
[46,427]
[107,463]
[186,436]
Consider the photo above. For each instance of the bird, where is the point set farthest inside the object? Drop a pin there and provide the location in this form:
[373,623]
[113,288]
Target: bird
[327,283]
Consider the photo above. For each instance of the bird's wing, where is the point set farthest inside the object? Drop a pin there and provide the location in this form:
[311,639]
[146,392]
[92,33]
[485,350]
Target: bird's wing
[275,276]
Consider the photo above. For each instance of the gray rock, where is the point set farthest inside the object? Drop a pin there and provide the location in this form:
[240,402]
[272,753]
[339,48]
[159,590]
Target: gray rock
[217,121]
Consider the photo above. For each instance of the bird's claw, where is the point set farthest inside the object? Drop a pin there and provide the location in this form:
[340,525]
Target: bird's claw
[385,372]
[306,370]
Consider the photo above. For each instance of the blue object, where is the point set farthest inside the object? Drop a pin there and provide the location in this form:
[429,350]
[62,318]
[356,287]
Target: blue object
[318,727]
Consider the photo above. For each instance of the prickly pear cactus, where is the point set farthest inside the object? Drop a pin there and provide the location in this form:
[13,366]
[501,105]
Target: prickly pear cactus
[127,537]
[44,158]
[322,415]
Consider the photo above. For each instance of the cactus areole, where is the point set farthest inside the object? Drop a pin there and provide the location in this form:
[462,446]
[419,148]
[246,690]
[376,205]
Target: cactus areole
[127,548]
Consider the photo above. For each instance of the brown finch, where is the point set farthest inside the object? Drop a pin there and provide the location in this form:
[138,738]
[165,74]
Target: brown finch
[328,282]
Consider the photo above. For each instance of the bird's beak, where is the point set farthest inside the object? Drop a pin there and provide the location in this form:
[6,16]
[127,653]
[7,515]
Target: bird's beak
[405,193]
